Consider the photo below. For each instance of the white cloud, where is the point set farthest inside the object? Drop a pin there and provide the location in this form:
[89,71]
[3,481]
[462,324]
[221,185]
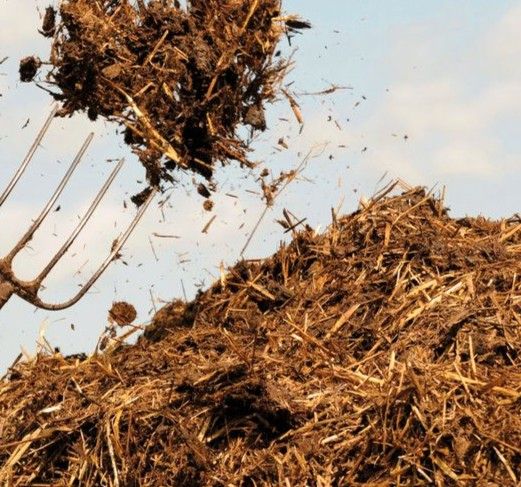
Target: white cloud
[454,125]
[502,46]
[461,157]
[453,99]
[436,106]
[19,19]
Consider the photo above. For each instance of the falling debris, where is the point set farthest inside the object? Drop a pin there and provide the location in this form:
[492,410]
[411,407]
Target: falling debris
[271,189]
[203,191]
[140,198]
[122,313]
[328,91]
[49,22]
[208,205]
[295,107]
[29,67]
[297,24]
[159,235]
[282,143]
[180,80]
[209,224]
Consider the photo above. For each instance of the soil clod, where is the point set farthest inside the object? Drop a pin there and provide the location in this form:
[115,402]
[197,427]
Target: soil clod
[122,313]
[29,67]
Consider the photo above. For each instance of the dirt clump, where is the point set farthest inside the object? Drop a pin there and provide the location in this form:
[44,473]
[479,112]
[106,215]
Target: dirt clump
[181,81]
[384,351]
[29,67]
[49,22]
[208,205]
[122,313]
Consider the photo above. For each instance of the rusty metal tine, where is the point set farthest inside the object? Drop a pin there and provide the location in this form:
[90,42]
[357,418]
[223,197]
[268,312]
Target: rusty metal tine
[27,159]
[86,217]
[101,269]
[50,204]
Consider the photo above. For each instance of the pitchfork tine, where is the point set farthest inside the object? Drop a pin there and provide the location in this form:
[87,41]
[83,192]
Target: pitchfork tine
[19,173]
[86,217]
[50,204]
[101,269]
[28,290]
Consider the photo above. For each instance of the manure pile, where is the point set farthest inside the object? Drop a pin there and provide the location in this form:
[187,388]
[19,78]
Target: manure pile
[385,351]
[181,81]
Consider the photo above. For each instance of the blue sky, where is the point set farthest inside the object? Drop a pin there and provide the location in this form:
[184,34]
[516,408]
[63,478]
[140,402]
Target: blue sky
[444,73]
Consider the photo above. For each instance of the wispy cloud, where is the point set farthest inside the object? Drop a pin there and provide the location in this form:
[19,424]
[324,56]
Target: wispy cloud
[501,47]
[452,100]
[18,22]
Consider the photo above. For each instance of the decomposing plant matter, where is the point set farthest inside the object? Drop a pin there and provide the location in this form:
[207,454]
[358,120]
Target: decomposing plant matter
[122,313]
[382,352]
[29,66]
[180,80]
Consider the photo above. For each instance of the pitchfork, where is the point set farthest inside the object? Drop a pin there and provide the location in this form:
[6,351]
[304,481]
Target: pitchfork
[28,290]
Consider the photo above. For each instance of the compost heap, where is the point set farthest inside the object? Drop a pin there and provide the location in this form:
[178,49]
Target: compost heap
[383,352]
[181,81]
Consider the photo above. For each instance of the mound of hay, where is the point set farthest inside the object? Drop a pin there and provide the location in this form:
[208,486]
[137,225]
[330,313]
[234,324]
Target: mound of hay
[383,352]
[180,80]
